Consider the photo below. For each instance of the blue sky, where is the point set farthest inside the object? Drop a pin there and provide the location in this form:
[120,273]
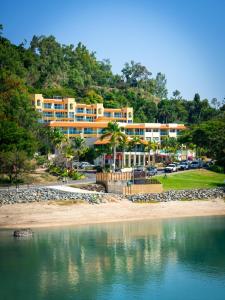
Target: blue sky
[183,39]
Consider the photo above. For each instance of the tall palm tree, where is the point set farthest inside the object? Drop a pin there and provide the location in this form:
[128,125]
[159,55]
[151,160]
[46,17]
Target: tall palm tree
[148,148]
[155,147]
[136,140]
[79,146]
[115,134]
[57,138]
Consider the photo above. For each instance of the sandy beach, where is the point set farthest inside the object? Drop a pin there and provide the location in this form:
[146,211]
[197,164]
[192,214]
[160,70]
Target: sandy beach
[52,214]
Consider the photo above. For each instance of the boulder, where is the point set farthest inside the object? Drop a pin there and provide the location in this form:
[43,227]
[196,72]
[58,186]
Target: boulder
[23,233]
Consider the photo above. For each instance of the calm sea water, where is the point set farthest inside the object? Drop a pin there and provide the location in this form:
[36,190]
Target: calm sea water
[170,259]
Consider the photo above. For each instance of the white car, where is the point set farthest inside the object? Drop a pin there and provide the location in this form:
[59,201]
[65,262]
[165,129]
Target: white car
[171,168]
[86,165]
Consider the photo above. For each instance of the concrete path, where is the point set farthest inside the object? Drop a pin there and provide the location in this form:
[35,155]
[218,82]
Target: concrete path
[71,189]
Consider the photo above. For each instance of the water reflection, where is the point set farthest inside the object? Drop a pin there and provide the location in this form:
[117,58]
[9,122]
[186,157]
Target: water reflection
[92,262]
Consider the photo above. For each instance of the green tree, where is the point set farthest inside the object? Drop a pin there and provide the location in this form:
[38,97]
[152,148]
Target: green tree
[160,86]
[114,133]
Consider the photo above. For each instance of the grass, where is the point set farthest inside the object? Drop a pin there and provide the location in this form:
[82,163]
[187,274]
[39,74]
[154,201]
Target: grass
[192,180]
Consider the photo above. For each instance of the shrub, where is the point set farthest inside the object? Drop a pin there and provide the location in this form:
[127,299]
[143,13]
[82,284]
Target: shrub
[216,168]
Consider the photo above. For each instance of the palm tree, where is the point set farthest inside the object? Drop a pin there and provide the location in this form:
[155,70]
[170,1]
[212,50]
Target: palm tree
[115,134]
[170,145]
[136,140]
[57,138]
[155,147]
[79,146]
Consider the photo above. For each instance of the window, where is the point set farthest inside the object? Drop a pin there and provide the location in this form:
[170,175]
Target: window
[99,111]
[60,115]
[148,130]
[89,119]
[64,130]
[71,115]
[89,131]
[38,102]
[80,118]
[155,130]
[59,106]
[80,110]
[107,114]
[73,130]
[117,115]
[48,114]
[71,106]
[163,132]
[47,105]
[89,111]
[129,131]
[172,130]
[130,115]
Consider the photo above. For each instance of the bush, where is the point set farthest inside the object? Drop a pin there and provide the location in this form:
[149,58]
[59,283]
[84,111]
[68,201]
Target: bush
[64,172]
[41,160]
[216,168]
[73,174]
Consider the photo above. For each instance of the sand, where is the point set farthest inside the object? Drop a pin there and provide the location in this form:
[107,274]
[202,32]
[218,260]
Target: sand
[52,214]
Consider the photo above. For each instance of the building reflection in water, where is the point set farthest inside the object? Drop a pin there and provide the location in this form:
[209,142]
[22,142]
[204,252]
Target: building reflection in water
[92,258]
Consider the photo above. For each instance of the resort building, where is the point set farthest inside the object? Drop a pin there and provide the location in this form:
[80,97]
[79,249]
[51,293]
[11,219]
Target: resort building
[90,120]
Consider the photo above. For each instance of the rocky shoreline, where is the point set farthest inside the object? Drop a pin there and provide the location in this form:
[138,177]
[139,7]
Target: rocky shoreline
[44,194]
[179,195]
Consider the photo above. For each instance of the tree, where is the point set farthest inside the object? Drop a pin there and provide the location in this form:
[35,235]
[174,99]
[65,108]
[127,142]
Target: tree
[136,140]
[114,133]
[13,163]
[57,138]
[135,73]
[79,147]
[152,145]
[177,94]
[160,86]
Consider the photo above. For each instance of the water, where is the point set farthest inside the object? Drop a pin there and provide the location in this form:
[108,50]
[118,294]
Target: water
[170,259]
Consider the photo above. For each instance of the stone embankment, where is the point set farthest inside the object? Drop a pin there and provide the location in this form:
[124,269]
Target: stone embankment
[47,194]
[177,195]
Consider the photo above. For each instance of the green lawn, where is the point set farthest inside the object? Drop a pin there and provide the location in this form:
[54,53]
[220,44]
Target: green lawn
[192,179]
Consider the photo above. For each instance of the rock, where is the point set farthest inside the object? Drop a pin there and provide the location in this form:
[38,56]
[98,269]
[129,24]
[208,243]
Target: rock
[23,233]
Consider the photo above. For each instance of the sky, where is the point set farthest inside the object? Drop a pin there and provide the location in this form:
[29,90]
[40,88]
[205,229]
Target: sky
[185,40]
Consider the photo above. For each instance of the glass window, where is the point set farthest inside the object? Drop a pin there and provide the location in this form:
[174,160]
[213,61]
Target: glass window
[59,106]
[148,130]
[47,105]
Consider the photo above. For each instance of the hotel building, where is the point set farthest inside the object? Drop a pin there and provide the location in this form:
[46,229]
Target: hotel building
[89,120]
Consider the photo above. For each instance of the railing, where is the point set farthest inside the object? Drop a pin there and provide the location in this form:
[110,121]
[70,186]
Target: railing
[101,177]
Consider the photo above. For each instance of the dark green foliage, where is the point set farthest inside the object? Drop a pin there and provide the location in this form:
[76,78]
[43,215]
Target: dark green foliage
[47,67]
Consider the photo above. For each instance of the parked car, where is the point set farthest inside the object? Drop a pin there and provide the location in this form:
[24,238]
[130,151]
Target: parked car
[177,165]
[151,171]
[195,164]
[171,168]
[139,171]
[76,164]
[184,166]
[86,165]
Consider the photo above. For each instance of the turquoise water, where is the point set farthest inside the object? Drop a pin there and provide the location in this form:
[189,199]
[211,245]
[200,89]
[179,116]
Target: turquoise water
[170,259]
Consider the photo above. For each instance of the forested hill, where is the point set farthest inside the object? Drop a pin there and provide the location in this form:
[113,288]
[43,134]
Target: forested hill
[48,67]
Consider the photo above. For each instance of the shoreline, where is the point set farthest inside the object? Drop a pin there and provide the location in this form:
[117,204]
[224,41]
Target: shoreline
[39,215]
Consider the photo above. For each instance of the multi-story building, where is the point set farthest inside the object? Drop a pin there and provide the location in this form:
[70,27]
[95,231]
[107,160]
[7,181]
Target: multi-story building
[68,110]
[89,120]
